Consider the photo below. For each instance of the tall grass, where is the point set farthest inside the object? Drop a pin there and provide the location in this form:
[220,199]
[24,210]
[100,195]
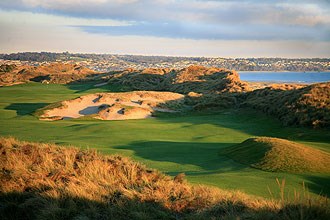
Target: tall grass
[295,105]
[44,181]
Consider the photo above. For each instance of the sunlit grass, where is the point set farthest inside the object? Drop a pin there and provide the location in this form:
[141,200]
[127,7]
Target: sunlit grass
[170,143]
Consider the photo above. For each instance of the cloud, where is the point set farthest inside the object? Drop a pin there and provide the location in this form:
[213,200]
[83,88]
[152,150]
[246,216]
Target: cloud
[59,38]
[173,22]
[214,32]
[21,18]
[208,11]
[194,19]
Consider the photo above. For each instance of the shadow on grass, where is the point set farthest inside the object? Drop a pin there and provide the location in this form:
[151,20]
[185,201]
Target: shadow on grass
[319,184]
[250,122]
[80,87]
[204,155]
[25,108]
[33,205]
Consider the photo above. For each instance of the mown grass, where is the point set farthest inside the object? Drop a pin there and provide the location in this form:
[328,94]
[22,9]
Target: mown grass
[172,143]
[279,155]
[44,181]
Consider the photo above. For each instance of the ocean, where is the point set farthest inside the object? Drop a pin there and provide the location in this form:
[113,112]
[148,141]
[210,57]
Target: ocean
[285,77]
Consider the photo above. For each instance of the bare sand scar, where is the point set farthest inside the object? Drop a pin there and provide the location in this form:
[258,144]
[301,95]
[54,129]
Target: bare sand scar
[114,106]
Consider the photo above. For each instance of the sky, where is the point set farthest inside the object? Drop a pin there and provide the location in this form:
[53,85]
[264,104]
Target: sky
[210,28]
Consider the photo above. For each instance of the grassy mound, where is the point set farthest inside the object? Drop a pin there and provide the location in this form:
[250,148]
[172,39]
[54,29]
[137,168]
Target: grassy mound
[61,73]
[202,79]
[294,105]
[279,155]
[43,181]
[220,88]
[191,79]
[148,79]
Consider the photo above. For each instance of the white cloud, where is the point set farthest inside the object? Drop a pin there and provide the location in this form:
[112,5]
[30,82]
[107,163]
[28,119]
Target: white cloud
[23,18]
[52,37]
[307,14]
[208,11]
[45,25]
[53,3]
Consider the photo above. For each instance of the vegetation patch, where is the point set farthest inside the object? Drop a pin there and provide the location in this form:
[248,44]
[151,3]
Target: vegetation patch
[44,181]
[294,105]
[279,155]
[191,79]
[56,72]
[209,88]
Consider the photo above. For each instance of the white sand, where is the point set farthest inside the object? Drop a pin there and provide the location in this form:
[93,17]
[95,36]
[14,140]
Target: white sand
[114,106]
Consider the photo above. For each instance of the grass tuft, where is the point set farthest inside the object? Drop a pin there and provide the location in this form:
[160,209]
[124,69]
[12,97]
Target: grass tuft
[44,181]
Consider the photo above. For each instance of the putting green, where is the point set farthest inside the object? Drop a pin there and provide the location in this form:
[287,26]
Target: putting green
[171,143]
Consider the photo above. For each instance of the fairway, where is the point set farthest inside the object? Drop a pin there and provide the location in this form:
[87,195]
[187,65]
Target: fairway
[171,143]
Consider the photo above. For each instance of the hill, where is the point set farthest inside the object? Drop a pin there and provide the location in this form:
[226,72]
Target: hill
[110,62]
[52,73]
[206,88]
[191,79]
[279,155]
[293,104]
[44,181]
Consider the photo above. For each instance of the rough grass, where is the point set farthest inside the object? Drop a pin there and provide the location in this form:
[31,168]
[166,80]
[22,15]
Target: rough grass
[164,142]
[56,72]
[302,105]
[190,79]
[43,181]
[294,105]
[279,155]
[221,88]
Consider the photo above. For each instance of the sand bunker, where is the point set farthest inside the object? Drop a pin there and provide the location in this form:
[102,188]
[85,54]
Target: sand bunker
[114,106]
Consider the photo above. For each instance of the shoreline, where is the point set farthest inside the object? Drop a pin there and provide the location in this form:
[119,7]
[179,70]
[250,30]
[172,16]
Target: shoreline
[270,71]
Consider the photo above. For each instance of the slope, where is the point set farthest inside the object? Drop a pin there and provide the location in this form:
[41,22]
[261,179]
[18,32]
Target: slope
[279,155]
[42,181]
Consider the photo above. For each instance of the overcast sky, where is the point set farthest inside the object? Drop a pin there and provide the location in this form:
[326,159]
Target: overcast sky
[236,28]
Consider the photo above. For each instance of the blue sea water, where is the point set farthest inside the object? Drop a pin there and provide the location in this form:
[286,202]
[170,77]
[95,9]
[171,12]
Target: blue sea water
[282,77]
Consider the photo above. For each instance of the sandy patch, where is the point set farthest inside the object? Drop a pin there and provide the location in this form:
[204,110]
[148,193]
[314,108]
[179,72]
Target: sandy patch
[114,106]
[100,84]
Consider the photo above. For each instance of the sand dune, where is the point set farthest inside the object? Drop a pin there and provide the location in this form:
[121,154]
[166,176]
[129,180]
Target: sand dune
[113,106]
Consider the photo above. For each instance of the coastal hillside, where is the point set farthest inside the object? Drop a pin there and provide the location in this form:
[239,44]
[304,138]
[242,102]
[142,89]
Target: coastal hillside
[45,181]
[279,155]
[206,88]
[198,79]
[293,104]
[60,73]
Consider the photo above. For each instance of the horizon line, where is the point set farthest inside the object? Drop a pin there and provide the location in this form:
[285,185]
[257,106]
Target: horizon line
[163,55]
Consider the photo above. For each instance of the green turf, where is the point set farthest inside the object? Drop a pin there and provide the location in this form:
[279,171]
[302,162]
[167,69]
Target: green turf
[279,155]
[170,143]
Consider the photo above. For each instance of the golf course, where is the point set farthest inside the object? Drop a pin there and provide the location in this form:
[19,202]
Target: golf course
[164,110]
[182,142]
